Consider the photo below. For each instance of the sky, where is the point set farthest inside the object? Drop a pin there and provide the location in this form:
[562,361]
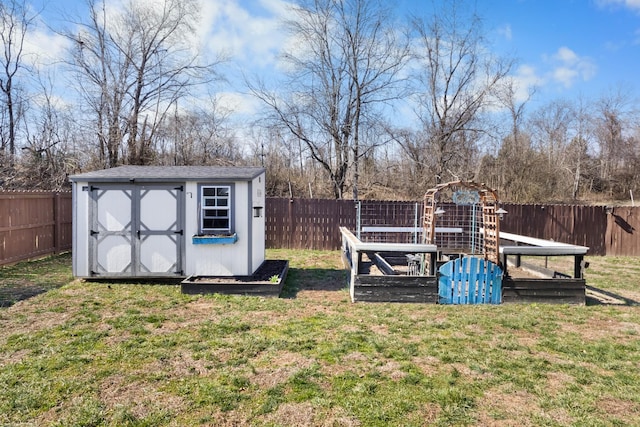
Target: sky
[564,48]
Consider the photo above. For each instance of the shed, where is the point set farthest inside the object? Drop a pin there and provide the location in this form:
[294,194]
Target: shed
[168,221]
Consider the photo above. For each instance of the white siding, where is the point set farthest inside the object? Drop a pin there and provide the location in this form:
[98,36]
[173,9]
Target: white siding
[241,258]
[80,244]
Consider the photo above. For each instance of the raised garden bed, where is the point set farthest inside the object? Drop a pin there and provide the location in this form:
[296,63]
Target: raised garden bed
[266,281]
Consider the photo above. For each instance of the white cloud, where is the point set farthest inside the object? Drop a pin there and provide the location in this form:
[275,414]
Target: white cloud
[250,37]
[568,67]
[506,32]
[239,103]
[629,4]
[42,48]
[525,80]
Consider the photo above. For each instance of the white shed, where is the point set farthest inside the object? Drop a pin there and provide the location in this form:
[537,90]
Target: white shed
[168,221]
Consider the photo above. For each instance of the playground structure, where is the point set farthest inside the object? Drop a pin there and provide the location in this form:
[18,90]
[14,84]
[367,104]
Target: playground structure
[457,256]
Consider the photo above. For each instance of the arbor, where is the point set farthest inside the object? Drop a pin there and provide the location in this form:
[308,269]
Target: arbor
[345,65]
[132,65]
[456,79]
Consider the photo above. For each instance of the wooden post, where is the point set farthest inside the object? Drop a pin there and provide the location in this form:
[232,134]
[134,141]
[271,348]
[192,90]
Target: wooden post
[504,265]
[577,266]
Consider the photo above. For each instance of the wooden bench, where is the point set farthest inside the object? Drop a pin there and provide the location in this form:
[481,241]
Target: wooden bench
[541,247]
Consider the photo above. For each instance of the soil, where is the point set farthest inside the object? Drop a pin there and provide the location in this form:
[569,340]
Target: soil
[263,275]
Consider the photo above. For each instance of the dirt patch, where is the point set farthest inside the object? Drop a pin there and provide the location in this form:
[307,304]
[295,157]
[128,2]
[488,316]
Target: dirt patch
[289,363]
[597,329]
[507,408]
[139,398]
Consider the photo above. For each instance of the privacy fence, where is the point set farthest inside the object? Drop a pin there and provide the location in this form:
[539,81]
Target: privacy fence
[313,224]
[34,224]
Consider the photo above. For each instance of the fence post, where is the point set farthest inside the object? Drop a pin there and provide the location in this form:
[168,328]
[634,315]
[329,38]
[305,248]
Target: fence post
[358,223]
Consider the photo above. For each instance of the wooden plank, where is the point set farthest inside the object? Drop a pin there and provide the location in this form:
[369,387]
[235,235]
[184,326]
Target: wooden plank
[475,276]
[496,283]
[444,283]
[543,250]
[396,281]
[560,291]
[271,290]
[390,229]
[382,264]
[407,289]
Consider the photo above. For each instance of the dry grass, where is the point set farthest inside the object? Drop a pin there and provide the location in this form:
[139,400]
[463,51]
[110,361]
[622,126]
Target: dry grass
[117,354]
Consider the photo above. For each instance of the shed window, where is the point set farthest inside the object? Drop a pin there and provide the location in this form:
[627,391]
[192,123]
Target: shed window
[215,215]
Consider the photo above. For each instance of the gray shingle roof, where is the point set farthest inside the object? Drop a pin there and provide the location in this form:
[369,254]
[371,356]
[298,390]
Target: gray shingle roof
[169,173]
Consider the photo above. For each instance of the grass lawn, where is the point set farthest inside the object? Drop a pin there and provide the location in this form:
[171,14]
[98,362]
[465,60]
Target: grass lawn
[94,354]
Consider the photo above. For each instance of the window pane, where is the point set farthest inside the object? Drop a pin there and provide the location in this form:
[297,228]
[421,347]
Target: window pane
[221,223]
[216,213]
[215,210]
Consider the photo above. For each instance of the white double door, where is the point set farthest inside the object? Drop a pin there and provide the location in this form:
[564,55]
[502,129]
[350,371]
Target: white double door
[136,230]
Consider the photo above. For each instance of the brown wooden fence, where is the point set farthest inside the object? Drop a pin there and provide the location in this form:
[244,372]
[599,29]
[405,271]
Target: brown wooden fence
[307,223]
[313,224]
[578,225]
[34,224]
[37,224]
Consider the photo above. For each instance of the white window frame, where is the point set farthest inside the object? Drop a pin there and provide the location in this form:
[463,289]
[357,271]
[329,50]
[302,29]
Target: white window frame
[205,205]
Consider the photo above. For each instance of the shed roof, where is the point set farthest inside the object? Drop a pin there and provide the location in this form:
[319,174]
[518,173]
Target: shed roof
[170,173]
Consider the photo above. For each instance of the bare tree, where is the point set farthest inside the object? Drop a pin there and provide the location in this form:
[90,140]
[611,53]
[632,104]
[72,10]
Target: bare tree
[551,128]
[345,65]
[456,80]
[515,151]
[15,21]
[48,156]
[614,117]
[578,150]
[200,136]
[132,66]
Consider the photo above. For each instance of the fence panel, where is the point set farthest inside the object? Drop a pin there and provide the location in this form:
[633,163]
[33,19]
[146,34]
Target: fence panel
[313,224]
[307,223]
[578,225]
[33,225]
[623,231]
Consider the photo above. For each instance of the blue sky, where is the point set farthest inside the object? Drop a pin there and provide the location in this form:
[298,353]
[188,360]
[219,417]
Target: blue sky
[566,48]
[570,47]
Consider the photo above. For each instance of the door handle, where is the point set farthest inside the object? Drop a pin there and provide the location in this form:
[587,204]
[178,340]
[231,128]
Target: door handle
[138,234]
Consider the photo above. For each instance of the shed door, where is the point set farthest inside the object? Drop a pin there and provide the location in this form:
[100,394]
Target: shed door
[136,230]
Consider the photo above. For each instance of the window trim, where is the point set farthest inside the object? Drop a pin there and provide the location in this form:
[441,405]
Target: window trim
[230,208]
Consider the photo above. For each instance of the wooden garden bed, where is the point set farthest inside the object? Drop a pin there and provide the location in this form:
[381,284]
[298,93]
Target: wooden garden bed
[266,281]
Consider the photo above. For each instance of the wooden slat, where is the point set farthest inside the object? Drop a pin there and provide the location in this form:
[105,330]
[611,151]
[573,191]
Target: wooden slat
[423,289]
[33,224]
[560,291]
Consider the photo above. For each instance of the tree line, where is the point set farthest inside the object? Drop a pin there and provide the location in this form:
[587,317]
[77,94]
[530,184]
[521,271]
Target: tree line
[365,105]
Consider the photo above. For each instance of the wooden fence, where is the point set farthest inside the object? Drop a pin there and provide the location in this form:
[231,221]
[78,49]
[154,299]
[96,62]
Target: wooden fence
[307,223]
[34,224]
[313,224]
